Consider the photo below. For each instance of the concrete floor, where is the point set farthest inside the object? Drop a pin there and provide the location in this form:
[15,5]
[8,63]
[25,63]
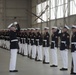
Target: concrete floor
[30,67]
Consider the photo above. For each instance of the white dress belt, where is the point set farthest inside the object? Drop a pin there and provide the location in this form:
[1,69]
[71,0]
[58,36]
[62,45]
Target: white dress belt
[53,41]
[32,39]
[14,40]
[73,43]
[63,42]
[37,39]
[45,40]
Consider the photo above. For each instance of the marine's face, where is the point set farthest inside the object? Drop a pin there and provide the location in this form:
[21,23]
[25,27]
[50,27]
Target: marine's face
[46,30]
[54,30]
[65,30]
[73,29]
[13,28]
[37,30]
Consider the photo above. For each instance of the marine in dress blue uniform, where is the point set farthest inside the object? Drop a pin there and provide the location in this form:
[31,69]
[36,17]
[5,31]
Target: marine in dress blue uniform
[73,50]
[25,43]
[38,45]
[29,34]
[64,47]
[46,45]
[13,45]
[54,46]
[33,43]
[21,43]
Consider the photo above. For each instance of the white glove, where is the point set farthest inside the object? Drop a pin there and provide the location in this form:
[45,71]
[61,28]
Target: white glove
[59,31]
[15,23]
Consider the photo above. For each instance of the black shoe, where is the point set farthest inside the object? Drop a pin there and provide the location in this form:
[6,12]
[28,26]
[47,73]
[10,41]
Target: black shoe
[13,71]
[45,62]
[63,69]
[53,66]
[24,55]
[72,73]
[38,60]
[32,58]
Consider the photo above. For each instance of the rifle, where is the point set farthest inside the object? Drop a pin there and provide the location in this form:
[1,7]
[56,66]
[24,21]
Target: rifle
[34,14]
